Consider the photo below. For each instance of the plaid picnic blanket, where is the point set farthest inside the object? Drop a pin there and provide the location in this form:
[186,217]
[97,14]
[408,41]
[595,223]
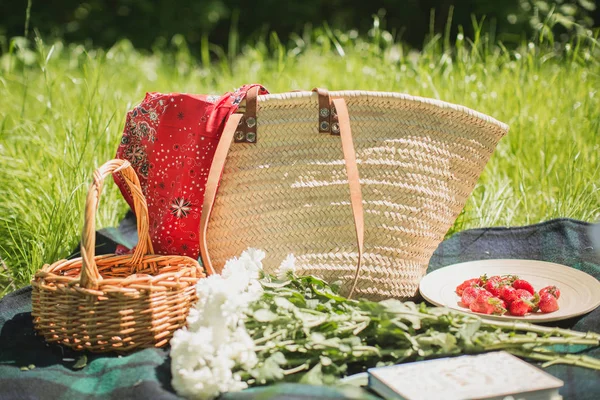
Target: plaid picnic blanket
[30,369]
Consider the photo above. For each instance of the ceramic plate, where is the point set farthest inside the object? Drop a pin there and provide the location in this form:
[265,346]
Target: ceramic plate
[580,292]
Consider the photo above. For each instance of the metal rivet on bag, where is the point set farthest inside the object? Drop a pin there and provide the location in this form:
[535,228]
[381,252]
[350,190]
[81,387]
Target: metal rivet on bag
[239,135]
[324,112]
[251,136]
[335,127]
[241,121]
[251,122]
[333,112]
[324,126]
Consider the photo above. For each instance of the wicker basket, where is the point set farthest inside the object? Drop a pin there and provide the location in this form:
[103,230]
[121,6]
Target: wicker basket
[114,302]
[284,188]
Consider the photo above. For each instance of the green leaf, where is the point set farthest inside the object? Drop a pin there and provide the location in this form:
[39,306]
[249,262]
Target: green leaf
[310,320]
[588,5]
[270,370]
[568,9]
[400,324]
[278,358]
[314,376]
[325,361]
[445,341]
[312,304]
[403,311]
[344,348]
[284,303]
[468,329]
[317,337]
[274,285]
[335,286]
[264,315]
[311,280]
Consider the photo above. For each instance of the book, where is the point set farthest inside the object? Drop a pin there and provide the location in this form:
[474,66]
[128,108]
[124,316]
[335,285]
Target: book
[491,376]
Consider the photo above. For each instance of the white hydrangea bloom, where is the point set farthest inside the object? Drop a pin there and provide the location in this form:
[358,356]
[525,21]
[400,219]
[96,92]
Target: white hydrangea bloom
[216,342]
[287,266]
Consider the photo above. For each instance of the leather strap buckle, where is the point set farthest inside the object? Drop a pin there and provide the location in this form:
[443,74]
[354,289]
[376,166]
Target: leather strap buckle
[328,119]
[246,131]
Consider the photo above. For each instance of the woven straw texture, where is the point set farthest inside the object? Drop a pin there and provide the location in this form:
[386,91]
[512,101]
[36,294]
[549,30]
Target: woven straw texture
[114,302]
[418,159]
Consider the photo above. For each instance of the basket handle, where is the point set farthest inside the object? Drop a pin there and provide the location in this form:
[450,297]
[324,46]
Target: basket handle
[90,276]
[218,163]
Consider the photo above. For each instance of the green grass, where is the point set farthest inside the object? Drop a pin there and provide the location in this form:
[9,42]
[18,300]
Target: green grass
[62,111]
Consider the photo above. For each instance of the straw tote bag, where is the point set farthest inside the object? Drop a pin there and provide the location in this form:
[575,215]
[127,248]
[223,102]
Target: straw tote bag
[360,186]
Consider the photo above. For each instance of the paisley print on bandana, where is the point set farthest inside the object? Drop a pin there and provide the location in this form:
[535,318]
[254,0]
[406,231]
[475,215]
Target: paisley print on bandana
[170,140]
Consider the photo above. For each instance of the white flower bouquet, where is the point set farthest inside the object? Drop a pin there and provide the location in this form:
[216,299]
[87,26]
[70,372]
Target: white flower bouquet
[250,328]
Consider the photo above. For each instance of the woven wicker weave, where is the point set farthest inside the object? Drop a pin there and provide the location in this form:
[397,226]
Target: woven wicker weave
[418,160]
[114,302]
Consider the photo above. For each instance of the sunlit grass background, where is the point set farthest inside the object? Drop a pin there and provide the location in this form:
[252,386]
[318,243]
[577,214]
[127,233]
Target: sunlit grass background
[62,111]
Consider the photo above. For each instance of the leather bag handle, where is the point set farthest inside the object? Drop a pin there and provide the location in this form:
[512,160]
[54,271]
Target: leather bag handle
[231,131]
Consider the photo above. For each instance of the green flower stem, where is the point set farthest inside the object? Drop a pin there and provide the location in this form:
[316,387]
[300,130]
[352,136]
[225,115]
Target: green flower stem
[299,368]
[552,359]
[581,357]
[413,313]
[318,322]
[269,337]
[525,326]
[541,341]
[367,349]
[274,345]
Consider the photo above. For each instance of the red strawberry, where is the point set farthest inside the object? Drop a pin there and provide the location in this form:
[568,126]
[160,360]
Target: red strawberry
[524,294]
[482,304]
[468,283]
[493,287]
[469,295]
[523,284]
[548,303]
[508,294]
[520,307]
[494,284]
[498,304]
[553,290]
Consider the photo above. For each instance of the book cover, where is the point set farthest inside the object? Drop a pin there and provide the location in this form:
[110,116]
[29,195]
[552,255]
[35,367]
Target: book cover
[496,375]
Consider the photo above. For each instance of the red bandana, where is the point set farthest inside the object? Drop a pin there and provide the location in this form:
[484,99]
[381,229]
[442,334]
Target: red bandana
[170,140]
